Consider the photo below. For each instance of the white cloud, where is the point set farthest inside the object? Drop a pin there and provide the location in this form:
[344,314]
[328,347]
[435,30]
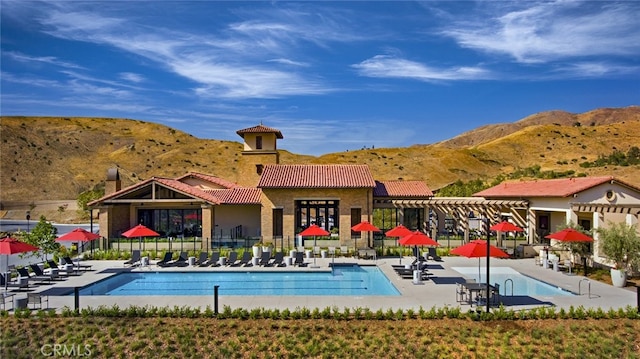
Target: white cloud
[132,77]
[391,67]
[550,31]
[51,60]
[596,69]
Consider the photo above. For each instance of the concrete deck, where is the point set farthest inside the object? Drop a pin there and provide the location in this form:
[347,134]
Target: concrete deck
[438,291]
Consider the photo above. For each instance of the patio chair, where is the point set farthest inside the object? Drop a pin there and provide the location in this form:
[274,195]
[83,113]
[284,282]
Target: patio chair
[331,251]
[40,273]
[6,298]
[461,293]
[300,260]
[24,273]
[82,267]
[495,294]
[344,250]
[37,299]
[232,259]
[135,259]
[212,261]
[167,259]
[278,259]
[19,283]
[265,258]
[202,259]
[245,261]
[62,269]
[433,255]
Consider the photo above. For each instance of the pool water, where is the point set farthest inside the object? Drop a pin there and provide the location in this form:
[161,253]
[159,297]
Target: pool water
[522,285]
[343,281]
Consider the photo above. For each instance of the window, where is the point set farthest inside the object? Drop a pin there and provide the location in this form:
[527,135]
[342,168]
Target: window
[277,222]
[324,214]
[259,169]
[258,142]
[356,217]
[173,222]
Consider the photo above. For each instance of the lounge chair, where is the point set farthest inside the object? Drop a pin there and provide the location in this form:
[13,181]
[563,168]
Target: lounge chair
[202,259]
[245,261]
[213,260]
[278,259]
[40,273]
[265,258]
[19,283]
[433,255]
[300,260]
[82,267]
[182,260]
[62,270]
[135,259]
[232,259]
[24,273]
[167,259]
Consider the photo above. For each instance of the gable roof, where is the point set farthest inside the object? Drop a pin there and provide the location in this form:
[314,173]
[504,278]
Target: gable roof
[211,179]
[400,189]
[260,129]
[562,187]
[316,176]
[246,195]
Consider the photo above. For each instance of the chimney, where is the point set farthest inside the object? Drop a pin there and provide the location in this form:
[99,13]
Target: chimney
[113,183]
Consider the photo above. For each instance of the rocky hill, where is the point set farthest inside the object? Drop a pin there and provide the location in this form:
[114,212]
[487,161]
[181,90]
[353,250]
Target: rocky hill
[52,159]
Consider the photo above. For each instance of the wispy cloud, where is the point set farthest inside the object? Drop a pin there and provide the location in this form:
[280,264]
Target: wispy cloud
[50,60]
[549,31]
[392,67]
[131,77]
[233,63]
[596,69]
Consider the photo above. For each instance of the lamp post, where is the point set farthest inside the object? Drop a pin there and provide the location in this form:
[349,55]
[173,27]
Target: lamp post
[488,256]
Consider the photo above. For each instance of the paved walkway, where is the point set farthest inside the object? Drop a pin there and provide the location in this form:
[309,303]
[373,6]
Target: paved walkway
[438,291]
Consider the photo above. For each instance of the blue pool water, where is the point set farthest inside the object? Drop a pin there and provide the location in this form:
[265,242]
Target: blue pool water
[522,284]
[349,281]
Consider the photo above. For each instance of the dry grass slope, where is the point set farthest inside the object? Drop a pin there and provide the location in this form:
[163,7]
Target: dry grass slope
[53,158]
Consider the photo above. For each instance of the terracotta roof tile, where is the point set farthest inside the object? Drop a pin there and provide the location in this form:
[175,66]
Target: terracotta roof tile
[214,180]
[402,189]
[562,187]
[260,129]
[249,195]
[316,176]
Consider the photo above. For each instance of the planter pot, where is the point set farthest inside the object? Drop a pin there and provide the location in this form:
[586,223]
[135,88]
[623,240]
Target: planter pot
[266,249]
[257,252]
[618,278]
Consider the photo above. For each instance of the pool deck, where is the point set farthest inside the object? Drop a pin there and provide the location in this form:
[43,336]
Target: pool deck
[439,291]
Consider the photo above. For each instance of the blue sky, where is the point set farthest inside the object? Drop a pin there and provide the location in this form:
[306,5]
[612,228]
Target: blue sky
[332,76]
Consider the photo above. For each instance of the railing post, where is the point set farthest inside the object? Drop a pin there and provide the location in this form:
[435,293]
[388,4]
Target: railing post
[76,301]
[215,299]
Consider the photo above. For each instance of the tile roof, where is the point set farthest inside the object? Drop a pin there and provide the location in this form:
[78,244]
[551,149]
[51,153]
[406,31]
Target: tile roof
[188,190]
[260,129]
[212,179]
[316,176]
[402,189]
[562,187]
[250,195]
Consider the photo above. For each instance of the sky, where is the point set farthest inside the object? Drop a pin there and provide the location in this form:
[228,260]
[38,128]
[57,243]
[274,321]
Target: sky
[332,76]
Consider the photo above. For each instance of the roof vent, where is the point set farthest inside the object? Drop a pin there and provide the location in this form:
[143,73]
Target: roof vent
[610,195]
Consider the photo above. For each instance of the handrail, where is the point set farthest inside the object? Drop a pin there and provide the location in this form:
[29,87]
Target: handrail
[505,286]
[588,285]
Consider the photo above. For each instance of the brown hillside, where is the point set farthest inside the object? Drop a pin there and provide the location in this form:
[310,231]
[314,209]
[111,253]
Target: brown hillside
[49,159]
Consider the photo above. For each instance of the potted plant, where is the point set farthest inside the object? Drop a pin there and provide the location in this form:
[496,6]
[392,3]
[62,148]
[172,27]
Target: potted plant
[257,250]
[620,243]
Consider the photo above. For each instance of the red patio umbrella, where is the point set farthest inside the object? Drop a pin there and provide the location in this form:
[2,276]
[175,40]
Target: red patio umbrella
[478,249]
[569,235]
[10,246]
[506,226]
[140,231]
[398,231]
[363,226]
[78,235]
[416,239]
[314,230]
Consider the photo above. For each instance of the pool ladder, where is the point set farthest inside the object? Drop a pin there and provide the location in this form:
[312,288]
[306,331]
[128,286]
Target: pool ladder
[588,286]
[508,280]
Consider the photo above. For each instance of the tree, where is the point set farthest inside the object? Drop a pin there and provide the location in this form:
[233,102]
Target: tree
[621,244]
[43,236]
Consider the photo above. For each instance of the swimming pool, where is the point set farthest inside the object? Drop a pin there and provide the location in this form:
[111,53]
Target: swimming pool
[343,281]
[522,284]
